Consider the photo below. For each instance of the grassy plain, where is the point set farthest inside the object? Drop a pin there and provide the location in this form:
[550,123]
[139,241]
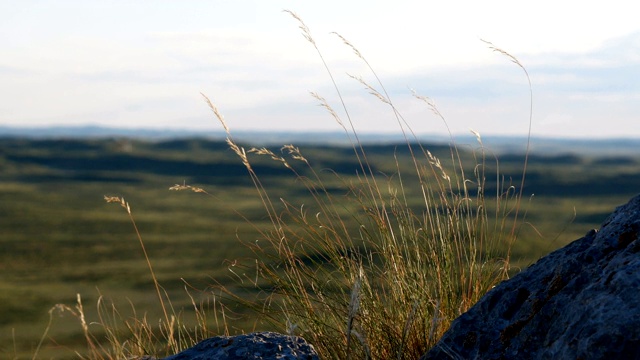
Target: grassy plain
[59,238]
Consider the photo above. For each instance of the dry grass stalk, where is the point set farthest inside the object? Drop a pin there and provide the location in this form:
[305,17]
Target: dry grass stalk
[411,273]
[396,279]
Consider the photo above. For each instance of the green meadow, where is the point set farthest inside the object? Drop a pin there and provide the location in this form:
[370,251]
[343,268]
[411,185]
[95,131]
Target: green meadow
[60,238]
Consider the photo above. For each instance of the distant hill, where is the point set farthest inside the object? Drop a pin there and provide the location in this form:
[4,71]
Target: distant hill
[93,131]
[497,144]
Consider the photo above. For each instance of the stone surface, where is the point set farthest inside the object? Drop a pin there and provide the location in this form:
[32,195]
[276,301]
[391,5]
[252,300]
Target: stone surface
[262,345]
[579,302]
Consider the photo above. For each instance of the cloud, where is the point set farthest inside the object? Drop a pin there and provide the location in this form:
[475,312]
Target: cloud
[259,70]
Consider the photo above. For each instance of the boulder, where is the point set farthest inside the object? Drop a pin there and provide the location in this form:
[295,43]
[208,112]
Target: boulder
[261,345]
[579,302]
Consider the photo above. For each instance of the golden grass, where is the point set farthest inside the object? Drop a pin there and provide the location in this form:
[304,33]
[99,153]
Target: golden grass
[395,280]
[363,274]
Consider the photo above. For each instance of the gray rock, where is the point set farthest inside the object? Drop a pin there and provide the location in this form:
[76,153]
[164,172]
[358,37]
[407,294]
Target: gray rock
[262,345]
[579,302]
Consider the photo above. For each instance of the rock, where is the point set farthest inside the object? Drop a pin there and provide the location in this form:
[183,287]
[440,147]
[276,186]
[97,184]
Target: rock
[262,345]
[579,302]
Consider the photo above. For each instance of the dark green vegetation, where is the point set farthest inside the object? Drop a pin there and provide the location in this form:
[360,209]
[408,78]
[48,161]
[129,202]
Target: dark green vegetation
[58,237]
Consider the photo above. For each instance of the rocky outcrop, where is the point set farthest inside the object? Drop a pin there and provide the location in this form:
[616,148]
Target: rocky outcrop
[579,302]
[262,345]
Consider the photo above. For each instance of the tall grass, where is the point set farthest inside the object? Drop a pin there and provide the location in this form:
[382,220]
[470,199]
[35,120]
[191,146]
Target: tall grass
[369,274]
[366,272]
[117,336]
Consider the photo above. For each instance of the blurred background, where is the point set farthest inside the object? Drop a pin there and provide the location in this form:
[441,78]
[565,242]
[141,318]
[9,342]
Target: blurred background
[104,98]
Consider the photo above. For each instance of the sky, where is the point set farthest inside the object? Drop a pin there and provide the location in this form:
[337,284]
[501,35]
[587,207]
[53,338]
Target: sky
[144,64]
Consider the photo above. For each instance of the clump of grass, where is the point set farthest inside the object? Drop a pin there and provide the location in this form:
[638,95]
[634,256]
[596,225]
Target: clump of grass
[371,273]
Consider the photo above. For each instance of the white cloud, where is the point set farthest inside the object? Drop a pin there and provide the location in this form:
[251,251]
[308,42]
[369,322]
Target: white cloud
[133,64]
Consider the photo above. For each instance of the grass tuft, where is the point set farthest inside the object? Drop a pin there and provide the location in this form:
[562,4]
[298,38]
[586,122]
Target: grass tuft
[372,264]
[365,270]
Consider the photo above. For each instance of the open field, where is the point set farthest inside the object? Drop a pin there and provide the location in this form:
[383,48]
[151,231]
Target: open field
[59,238]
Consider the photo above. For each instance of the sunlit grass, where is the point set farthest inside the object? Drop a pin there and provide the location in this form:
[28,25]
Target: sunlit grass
[385,279]
[372,260]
